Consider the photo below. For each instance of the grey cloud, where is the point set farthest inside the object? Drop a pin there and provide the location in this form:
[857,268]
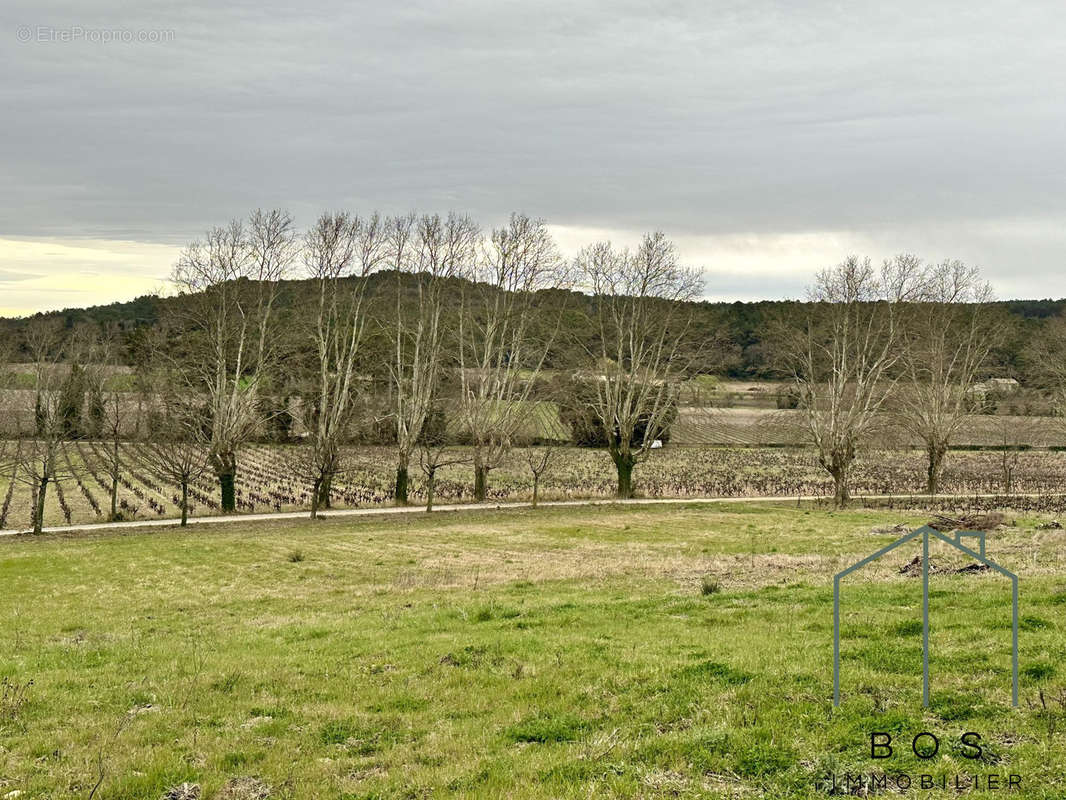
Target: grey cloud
[882,120]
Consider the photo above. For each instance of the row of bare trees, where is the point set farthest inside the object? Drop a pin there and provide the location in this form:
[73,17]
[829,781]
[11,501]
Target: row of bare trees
[493,345]
[68,365]
[902,344]
[904,341]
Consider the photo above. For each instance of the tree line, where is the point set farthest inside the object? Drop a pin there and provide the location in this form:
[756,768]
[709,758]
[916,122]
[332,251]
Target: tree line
[417,324]
[745,351]
[417,321]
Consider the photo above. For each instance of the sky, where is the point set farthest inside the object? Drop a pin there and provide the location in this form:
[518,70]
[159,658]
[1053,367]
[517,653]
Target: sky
[768,139]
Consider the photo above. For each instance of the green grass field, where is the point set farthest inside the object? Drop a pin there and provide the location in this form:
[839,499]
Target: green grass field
[607,652]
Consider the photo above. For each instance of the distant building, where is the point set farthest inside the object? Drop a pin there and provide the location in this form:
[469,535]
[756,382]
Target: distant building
[995,386]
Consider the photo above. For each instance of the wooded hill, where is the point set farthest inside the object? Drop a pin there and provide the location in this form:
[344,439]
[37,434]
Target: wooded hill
[739,327]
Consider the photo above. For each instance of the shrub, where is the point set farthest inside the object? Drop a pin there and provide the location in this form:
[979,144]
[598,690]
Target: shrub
[574,396]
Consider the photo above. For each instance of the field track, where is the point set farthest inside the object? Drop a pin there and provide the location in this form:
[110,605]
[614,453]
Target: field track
[415,509]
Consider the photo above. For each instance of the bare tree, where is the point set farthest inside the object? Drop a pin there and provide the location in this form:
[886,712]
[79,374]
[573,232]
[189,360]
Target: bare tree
[107,408]
[340,251]
[7,446]
[231,279]
[1014,436]
[433,456]
[1046,355]
[179,447]
[540,462]
[40,452]
[951,332]
[176,450]
[843,358]
[642,324]
[9,434]
[501,346]
[427,252]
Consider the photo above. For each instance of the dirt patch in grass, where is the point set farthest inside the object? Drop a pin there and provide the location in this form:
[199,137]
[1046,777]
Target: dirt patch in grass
[968,522]
[249,788]
[898,528]
[972,569]
[913,568]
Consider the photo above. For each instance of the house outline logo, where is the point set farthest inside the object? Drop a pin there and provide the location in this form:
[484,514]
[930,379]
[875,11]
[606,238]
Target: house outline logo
[925,532]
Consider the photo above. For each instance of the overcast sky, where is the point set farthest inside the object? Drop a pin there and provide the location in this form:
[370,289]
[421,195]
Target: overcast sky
[768,138]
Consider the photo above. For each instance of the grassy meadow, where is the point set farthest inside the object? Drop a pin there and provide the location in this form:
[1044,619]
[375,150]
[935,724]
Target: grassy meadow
[604,652]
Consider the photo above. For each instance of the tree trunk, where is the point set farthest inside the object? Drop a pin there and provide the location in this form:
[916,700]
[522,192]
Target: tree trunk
[114,498]
[184,503]
[1008,477]
[225,464]
[401,484]
[481,482]
[936,462]
[841,495]
[325,490]
[536,486]
[623,463]
[316,494]
[114,478]
[227,484]
[38,516]
[431,481]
